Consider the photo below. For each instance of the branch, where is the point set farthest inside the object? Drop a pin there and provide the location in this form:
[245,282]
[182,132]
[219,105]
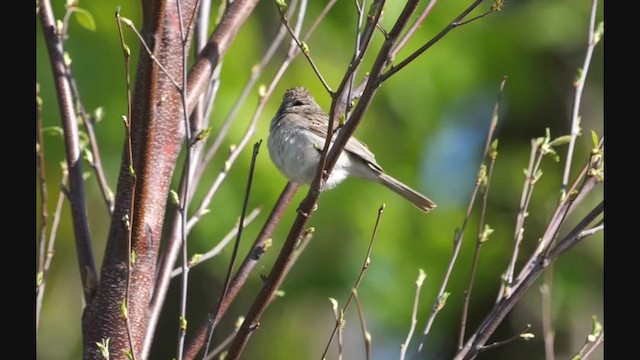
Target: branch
[76,192]
[594,38]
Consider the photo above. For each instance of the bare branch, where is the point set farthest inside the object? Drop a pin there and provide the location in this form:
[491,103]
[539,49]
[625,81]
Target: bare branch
[414,314]
[363,326]
[234,253]
[76,193]
[577,100]
[363,270]
[484,177]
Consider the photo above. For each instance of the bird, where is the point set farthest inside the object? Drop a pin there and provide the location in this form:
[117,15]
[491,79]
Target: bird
[297,135]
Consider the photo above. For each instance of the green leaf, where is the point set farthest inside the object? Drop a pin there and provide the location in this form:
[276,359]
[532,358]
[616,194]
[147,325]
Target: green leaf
[334,304]
[560,140]
[133,257]
[183,323]
[85,19]
[527,336]
[599,32]
[123,310]
[104,348]
[421,276]
[98,114]
[282,4]
[194,259]
[175,199]
[39,278]
[128,354]
[484,237]
[596,329]
[594,138]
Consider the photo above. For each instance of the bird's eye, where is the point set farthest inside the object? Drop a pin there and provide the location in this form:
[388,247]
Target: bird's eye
[298,103]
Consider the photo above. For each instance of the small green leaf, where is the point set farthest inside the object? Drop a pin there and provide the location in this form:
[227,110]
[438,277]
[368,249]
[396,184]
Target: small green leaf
[305,47]
[560,140]
[421,276]
[98,114]
[128,354]
[493,152]
[132,172]
[104,348]
[596,329]
[262,90]
[484,237]
[183,323]
[599,32]
[66,58]
[85,19]
[527,336]
[279,293]
[195,258]
[239,322]
[579,77]
[282,4]
[203,134]
[123,310]
[442,301]
[175,198]
[88,155]
[481,179]
[334,304]
[86,175]
[133,257]
[39,278]
[594,138]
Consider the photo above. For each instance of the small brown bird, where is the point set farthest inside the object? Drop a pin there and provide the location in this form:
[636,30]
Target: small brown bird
[296,139]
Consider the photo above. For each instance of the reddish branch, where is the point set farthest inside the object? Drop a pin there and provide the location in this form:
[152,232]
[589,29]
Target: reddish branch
[75,192]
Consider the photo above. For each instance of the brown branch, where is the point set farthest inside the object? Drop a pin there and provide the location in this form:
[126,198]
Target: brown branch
[527,278]
[261,244]
[76,192]
[234,253]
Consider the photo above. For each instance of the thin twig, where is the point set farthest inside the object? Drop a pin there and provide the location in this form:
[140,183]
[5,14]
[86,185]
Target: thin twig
[363,326]
[218,349]
[216,250]
[457,242]
[414,314]
[577,100]
[454,24]
[496,344]
[186,190]
[548,332]
[152,56]
[527,190]
[409,34]
[44,213]
[365,265]
[318,19]
[303,47]
[129,220]
[50,247]
[234,253]
[485,178]
[339,317]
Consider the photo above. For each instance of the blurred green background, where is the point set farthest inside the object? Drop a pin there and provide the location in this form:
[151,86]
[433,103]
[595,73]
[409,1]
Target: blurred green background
[427,126]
